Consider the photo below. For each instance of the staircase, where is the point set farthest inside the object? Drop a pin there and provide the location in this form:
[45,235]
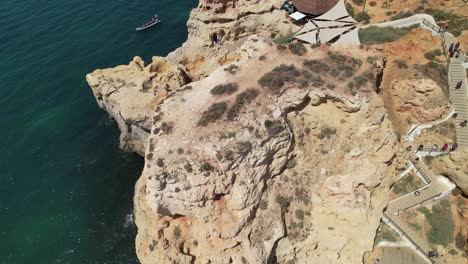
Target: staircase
[459,98]
[434,187]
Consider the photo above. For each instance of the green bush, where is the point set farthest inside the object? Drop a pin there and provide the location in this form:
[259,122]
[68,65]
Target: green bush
[389,236]
[221,89]
[337,58]
[401,64]
[206,167]
[281,47]
[282,201]
[456,24]
[424,210]
[188,167]
[316,66]
[406,185]
[428,159]
[402,14]
[378,35]
[326,132]
[274,127]
[362,16]
[415,226]
[284,39]
[453,252]
[166,127]
[242,99]
[442,226]
[419,9]
[276,79]
[297,48]
[360,81]
[299,214]
[430,55]
[213,113]
[160,162]
[231,69]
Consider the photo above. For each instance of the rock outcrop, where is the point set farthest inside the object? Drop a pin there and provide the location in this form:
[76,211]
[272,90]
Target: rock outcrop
[129,93]
[217,30]
[294,167]
[291,174]
[454,166]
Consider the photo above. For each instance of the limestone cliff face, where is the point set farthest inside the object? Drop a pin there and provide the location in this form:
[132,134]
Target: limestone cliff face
[216,31]
[129,93]
[454,166]
[217,28]
[296,172]
[302,174]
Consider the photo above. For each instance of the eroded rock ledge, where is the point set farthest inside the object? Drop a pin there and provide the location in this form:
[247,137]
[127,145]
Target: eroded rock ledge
[300,173]
[270,172]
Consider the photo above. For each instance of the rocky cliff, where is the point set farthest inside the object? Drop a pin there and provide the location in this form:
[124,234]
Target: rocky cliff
[259,172]
[254,152]
[217,29]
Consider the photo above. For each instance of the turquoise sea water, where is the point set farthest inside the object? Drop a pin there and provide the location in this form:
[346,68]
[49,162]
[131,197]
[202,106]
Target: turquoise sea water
[65,187]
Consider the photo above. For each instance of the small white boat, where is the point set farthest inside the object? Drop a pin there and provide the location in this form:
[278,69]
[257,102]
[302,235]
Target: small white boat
[149,24]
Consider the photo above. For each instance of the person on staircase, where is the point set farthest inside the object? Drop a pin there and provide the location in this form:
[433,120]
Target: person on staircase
[454,147]
[445,147]
[434,148]
[464,123]
[458,85]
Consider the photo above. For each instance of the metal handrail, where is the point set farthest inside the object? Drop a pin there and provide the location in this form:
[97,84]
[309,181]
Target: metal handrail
[418,248]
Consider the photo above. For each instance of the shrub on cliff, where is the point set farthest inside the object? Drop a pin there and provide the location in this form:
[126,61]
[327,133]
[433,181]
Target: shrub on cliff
[231,69]
[214,112]
[402,14]
[297,48]
[326,132]
[206,167]
[166,127]
[276,79]
[273,127]
[442,226]
[221,89]
[362,16]
[430,55]
[242,99]
[378,35]
[316,66]
[401,64]
[456,23]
